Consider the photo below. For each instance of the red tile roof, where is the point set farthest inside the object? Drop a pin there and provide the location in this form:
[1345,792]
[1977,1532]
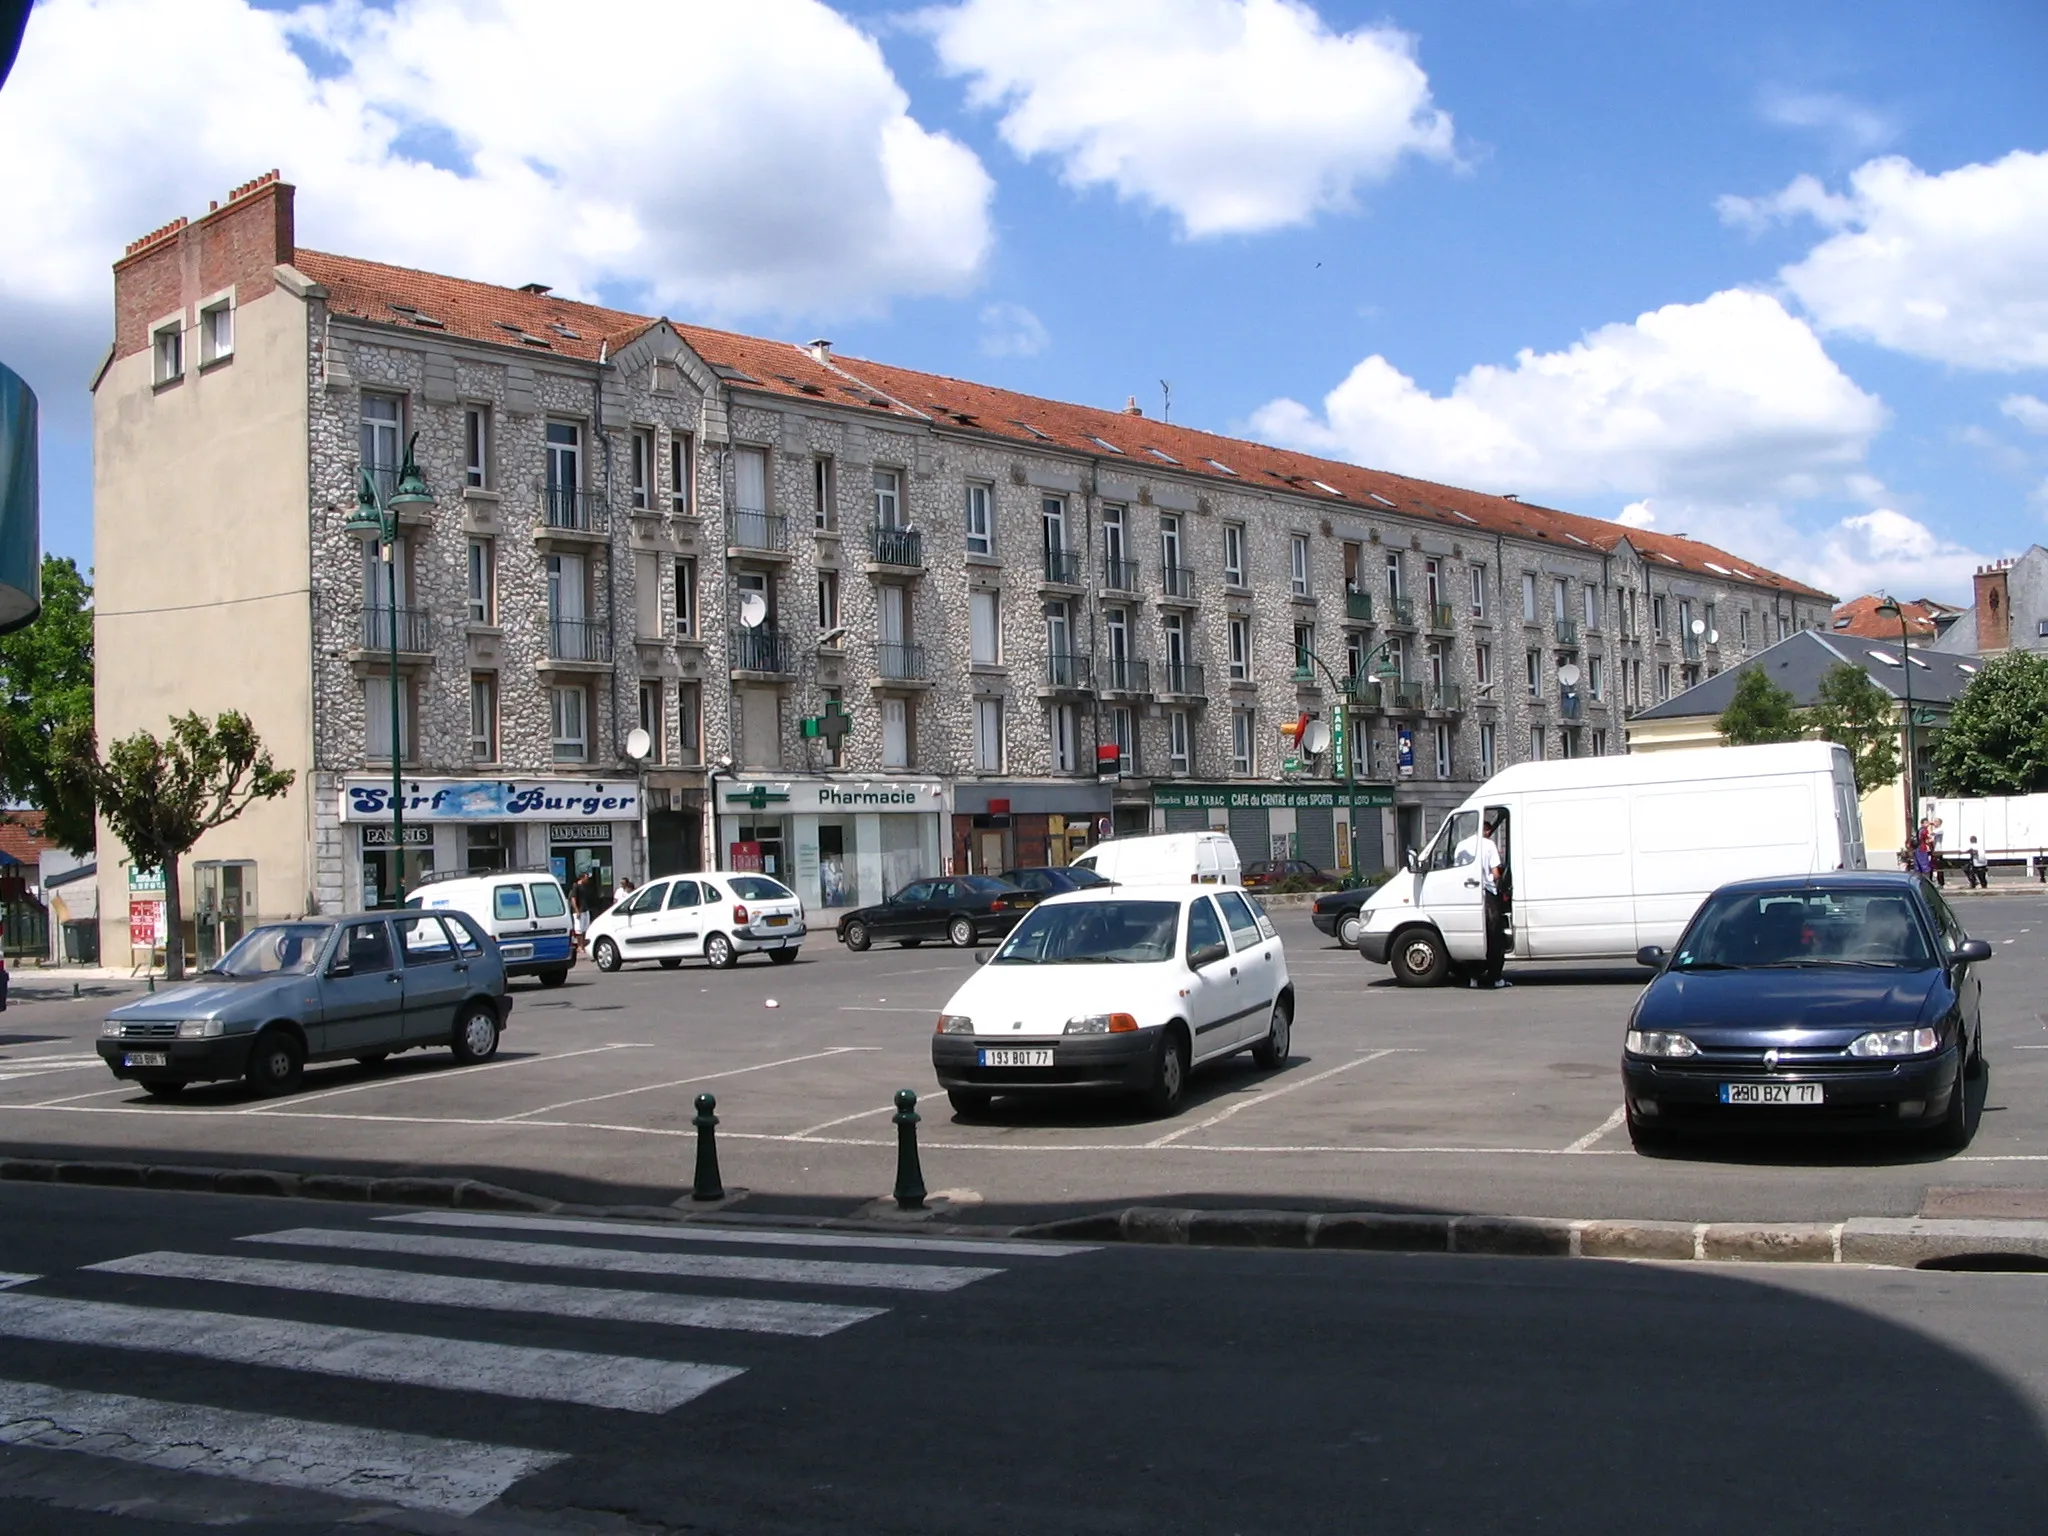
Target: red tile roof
[1859,616]
[542,323]
[21,836]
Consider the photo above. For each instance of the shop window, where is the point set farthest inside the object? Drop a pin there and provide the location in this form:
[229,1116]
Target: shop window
[488,848]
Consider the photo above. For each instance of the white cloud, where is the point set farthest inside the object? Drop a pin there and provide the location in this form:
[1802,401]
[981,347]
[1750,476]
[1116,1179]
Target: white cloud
[2028,411]
[1728,399]
[1011,330]
[1887,551]
[730,159]
[1952,267]
[1235,116]
[1855,127]
[1636,514]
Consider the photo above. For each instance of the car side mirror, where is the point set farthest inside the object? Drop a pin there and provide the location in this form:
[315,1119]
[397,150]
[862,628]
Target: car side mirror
[1651,955]
[1413,861]
[1973,949]
[1208,955]
[983,956]
[340,968]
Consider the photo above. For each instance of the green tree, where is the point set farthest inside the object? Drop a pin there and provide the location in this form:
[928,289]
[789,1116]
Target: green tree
[1760,712]
[1861,716]
[1997,737]
[46,685]
[161,797]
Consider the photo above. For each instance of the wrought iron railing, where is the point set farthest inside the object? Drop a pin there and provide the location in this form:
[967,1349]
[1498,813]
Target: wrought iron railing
[1442,617]
[767,531]
[1124,674]
[1401,612]
[1404,696]
[1120,575]
[579,640]
[905,663]
[1447,697]
[1178,581]
[897,546]
[415,628]
[1183,679]
[571,510]
[1068,669]
[1063,567]
[1358,606]
[1568,632]
[763,649]
[1363,692]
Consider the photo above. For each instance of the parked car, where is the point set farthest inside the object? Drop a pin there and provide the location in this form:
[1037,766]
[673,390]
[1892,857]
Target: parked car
[317,989]
[1123,990]
[1166,858]
[1839,998]
[715,917]
[1270,872]
[1048,880]
[525,910]
[962,909]
[1341,914]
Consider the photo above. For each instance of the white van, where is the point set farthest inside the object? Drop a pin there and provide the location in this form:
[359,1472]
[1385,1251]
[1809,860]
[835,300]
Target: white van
[1607,854]
[525,910]
[1170,858]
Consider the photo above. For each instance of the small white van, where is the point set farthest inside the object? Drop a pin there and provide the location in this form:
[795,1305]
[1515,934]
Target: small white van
[525,910]
[1607,854]
[1168,858]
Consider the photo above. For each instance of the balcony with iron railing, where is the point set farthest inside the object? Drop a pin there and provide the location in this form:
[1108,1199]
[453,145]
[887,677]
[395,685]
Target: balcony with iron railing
[902,664]
[1063,567]
[1401,612]
[415,629]
[1357,606]
[1183,679]
[1570,705]
[762,649]
[1119,575]
[1362,692]
[1069,670]
[580,642]
[564,509]
[1447,698]
[1177,582]
[757,533]
[1125,674]
[899,547]
[1442,617]
[1692,647]
[1405,697]
[1568,633]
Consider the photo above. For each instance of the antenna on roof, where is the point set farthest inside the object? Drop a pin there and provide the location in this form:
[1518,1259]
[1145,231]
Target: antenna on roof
[1165,401]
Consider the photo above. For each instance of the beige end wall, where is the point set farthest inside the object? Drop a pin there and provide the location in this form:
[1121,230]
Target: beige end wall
[202,558]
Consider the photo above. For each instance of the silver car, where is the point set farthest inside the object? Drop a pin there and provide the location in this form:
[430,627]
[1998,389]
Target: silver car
[318,989]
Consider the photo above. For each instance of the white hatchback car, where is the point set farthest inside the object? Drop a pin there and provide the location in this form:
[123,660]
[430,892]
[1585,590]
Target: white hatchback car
[715,916]
[1121,989]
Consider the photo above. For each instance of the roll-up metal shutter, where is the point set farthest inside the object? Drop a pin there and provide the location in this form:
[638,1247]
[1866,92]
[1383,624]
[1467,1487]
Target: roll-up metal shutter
[1315,835]
[1252,831]
[1187,821]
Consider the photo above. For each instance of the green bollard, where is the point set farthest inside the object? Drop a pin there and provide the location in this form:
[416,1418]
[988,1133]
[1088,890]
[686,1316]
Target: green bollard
[909,1176]
[707,1185]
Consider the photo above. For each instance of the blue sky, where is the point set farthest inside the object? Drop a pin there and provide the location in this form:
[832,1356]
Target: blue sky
[1862,404]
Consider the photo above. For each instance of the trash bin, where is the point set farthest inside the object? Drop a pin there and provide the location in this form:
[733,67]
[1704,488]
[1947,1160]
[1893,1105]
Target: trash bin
[82,942]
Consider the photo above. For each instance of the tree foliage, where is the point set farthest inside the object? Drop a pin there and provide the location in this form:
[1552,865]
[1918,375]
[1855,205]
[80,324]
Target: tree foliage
[45,686]
[161,797]
[1853,711]
[1760,712]
[1997,737]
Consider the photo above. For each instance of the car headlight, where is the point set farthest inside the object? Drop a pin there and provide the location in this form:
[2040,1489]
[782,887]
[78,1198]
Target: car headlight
[111,1029]
[198,1029]
[1101,1024]
[955,1024]
[1658,1042]
[1894,1042]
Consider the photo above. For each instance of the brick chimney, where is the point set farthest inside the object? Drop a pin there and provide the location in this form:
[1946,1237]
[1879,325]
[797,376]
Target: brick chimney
[235,245]
[1994,608]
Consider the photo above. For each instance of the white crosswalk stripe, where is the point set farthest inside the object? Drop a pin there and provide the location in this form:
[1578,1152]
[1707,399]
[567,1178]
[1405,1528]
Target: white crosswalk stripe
[629,1261]
[765,1238]
[456,1477]
[805,1319]
[367,1354]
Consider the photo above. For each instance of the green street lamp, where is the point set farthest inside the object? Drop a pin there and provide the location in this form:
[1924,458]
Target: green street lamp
[377,514]
[1386,672]
[1890,609]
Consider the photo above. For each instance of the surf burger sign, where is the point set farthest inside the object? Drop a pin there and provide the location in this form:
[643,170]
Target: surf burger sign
[549,800]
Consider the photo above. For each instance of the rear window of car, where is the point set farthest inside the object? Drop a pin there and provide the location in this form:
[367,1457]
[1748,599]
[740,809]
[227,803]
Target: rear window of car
[508,902]
[1244,923]
[425,940]
[984,885]
[547,899]
[760,888]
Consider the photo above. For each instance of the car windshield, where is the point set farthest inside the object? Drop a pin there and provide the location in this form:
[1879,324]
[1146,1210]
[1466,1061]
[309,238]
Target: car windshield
[1752,930]
[283,949]
[1093,933]
[759,888]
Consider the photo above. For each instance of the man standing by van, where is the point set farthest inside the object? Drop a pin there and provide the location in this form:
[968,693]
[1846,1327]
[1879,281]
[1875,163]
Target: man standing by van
[1485,852]
[1977,867]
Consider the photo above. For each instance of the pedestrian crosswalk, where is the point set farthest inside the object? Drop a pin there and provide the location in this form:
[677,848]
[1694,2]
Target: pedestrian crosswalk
[270,1303]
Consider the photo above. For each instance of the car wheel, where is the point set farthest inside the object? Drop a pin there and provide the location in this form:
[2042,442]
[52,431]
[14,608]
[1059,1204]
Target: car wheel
[372,1058]
[1272,1051]
[969,1101]
[1419,958]
[1977,1063]
[670,962]
[276,1061]
[606,954]
[1953,1133]
[1641,1136]
[1170,1080]
[855,936]
[163,1088]
[782,956]
[1349,928]
[960,932]
[719,953]
[559,976]
[475,1037]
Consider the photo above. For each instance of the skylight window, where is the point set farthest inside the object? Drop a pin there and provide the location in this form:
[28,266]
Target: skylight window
[1842,623]
[418,317]
[1043,437]
[1454,512]
[1162,455]
[1744,574]
[1967,668]
[1665,558]
[562,330]
[1886,657]
[1218,464]
[1576,539]
[1376,496]
[1102,442]
[1719,570]
[1324,485]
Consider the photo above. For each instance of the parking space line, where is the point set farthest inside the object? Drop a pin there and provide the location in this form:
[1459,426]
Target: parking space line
[858,1008]
[1585,1142]
[682,1082]
[1261,1098]
[879,1109]
[97,1093]
[440,1076]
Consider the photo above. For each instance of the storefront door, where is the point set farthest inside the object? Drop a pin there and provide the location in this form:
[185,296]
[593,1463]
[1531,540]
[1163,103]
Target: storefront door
[227,900]
[575,849]
[768,836]
[380,869]
[838,873]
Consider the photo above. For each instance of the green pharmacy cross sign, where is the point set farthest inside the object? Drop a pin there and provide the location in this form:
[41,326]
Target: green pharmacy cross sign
[832,727]
[759,798]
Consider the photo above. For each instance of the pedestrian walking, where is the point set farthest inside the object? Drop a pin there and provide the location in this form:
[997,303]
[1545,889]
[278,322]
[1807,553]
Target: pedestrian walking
[1923,861]
[583,898]
[1976,868]
[1483,852]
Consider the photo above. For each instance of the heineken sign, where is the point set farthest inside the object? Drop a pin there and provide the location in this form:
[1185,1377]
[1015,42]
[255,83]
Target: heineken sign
[1268,797]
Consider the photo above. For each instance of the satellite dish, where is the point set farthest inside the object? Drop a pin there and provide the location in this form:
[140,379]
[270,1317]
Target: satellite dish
[1316,738]
[1699,626]
[1568,674]
[638,744]
[1713,637]
[753,610]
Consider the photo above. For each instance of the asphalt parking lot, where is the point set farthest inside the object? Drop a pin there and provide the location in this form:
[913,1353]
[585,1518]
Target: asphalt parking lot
[1450,1100]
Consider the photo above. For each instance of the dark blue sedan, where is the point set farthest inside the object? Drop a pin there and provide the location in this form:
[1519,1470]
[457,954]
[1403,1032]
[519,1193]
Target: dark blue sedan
[1840,999]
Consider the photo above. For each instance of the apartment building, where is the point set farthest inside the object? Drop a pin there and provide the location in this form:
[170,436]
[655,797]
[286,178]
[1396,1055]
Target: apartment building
[1039,622]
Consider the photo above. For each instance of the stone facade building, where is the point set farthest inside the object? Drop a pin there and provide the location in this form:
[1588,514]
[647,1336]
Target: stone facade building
[1040,621]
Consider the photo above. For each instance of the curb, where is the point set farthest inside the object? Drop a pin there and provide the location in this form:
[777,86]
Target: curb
[1906,1242]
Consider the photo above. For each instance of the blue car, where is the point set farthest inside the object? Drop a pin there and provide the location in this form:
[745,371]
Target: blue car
[1847,999]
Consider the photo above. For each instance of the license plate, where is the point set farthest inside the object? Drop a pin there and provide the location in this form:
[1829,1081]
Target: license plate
[146,1059]
[1013,1057]
[779,922]
[1771,1093]
[516,951]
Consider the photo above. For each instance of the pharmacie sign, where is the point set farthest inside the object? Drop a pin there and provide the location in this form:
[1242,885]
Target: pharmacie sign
[804,797]
[549,800]
[1268,797]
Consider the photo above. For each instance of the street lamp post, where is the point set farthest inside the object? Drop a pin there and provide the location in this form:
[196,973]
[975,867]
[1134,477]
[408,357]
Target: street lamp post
[1890,609]
[377,514]
[1386,672]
